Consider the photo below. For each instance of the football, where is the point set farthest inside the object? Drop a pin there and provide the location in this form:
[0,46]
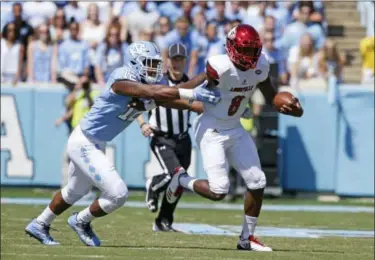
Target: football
[284,98]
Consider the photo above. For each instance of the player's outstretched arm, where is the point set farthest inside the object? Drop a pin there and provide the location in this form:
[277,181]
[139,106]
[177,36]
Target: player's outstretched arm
[164,93]
[139,90]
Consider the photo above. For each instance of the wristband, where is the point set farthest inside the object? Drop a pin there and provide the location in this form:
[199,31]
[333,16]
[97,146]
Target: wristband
[186,93]
[141,125]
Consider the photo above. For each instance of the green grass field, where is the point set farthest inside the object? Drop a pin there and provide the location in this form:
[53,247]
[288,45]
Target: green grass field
[126,234]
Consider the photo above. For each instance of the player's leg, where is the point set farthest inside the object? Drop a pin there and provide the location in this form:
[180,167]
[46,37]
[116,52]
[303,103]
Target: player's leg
[244,158]
[212,147]
[182,153]
[157,183]
[77,186]
[90,158]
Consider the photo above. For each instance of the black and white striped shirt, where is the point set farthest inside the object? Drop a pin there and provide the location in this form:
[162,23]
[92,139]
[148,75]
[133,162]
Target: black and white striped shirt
[168,120]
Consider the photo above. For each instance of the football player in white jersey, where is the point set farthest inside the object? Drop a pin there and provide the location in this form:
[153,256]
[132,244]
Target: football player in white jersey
[220,136]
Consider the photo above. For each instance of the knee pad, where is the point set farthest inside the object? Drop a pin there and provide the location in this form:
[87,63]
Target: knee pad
[114,199]
[255,178]
[120,194]
[219,185]
[71,196]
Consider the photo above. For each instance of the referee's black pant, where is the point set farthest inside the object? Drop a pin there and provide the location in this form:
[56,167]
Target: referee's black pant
[172,152]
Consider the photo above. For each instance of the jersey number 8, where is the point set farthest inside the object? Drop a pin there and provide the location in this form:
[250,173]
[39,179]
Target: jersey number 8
[235,104]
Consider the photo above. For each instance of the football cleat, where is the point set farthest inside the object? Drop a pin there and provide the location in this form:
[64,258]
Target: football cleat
[162,225]
[174,189]
[40,232]
[252,244]
[84,231]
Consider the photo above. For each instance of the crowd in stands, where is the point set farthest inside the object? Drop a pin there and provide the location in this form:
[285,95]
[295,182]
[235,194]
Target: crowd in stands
[79,42]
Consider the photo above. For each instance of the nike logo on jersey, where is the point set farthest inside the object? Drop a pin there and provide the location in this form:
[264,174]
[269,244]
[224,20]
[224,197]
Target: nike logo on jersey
[245,89]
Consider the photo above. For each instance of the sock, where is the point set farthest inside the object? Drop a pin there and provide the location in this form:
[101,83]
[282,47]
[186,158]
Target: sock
[187,181]
[248,227]
[85,215]
[46,217]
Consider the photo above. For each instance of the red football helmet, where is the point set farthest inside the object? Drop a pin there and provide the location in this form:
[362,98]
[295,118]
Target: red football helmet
[244,46]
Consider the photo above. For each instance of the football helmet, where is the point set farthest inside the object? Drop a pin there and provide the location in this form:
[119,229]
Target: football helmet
[144,58]
[244,46]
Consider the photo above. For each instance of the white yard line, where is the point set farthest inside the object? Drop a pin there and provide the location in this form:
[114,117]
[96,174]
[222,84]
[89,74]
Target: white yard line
[217,206]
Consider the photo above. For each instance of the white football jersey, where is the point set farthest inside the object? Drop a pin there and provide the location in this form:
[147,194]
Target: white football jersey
[235,86]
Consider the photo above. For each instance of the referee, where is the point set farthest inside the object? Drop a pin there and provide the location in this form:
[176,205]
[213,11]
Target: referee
[170,140]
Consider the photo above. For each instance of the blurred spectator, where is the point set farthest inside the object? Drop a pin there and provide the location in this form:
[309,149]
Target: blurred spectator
[330,61]
[61,4]
[25,31]
[170,9]
[200,7]
[42,57]
[317,7]
[72,10]
[11,55]
[38,12]
[122,25]
[105,9]
[276,58]
[92,30]
[164,26]
[294,31]
[73,60]
[199,23]
[302,60]
[367,53]
[234,11]
[125,8]
[258,13]
[209,45]
[147,34]
[330,65]
[141,18]
[110,55]
[58,29]
[270,26]
[217,15]
[279,13]
[186,7]
[182,34]
[78,103]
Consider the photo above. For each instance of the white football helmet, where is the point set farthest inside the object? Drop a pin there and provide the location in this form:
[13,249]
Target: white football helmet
[145,59]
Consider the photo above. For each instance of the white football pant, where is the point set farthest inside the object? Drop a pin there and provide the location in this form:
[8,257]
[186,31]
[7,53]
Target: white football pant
[89,166]
[221,148]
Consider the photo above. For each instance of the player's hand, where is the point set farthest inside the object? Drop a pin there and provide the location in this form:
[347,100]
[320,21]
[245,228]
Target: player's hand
[147,130]
[206,95]
[292,108]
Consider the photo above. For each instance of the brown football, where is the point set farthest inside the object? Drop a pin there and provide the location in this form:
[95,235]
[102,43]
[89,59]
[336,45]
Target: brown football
[284,97]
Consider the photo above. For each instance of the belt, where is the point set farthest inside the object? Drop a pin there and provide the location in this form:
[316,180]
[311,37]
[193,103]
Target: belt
[166,135]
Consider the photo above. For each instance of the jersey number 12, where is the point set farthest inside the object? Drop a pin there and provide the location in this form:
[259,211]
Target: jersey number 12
[130,114]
